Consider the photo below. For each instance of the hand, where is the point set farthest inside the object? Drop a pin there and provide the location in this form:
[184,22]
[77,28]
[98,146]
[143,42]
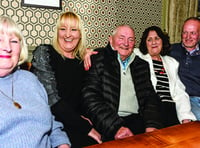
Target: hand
[95,135]
[123,132]
[86,119]
[64,146]
[150,129]
[186,121]
[87,60]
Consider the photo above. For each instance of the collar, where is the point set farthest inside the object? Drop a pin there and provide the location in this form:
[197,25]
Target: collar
[126,62]
[194,52]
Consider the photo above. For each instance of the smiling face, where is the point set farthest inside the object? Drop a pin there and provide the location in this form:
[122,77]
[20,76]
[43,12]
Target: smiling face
[123,41]
[154,44]
[68,37]
[9,52]
[191,34]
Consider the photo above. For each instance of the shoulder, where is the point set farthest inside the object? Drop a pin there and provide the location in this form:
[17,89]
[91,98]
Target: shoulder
[42,53]
[100,50]
[170,61]
[145,57]
[176,46]
[140,60]
[26,75]
[137,51]
[103,52]
[97,59]
[169,58]
[25,78]
[43,49]
[176,50]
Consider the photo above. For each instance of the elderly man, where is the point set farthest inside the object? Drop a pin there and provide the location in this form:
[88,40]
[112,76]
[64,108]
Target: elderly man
[187,53]
[118,96]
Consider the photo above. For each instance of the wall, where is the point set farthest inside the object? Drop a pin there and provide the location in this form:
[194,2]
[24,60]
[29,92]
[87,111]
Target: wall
[100,17]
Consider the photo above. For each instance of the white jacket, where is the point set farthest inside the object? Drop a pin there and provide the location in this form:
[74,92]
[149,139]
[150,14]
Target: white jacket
[177,88]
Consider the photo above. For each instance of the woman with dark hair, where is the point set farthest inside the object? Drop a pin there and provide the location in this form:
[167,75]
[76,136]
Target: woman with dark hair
[174,101]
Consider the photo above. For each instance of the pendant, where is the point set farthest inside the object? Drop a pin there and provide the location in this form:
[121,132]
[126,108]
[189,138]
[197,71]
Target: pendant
[17,105]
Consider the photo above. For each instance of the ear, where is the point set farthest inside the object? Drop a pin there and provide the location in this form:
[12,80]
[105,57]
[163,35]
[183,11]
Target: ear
[110,39]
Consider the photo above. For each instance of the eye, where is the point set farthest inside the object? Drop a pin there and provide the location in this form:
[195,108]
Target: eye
[74,29]
[184,32]
[62,28]
[14,41]
[131,40]
[149,40]
[121,38]
[157,38]
[193,33]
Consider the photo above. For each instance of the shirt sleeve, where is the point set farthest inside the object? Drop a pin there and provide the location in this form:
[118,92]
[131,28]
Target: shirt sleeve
[58,136]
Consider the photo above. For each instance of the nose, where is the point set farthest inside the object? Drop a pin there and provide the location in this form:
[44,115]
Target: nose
[5,46]
[189,35]
[126,42]
[153,41]
[68,32]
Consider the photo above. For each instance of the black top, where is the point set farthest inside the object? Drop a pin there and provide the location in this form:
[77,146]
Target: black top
[69,75]
[62,79]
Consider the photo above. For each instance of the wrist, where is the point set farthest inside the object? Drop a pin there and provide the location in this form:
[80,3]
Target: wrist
[186,120]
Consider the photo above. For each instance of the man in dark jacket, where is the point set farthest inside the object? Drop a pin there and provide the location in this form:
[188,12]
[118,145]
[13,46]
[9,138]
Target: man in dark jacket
[187,53]
[118,96]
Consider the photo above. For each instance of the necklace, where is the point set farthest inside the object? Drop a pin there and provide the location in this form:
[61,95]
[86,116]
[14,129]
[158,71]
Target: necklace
[16,104]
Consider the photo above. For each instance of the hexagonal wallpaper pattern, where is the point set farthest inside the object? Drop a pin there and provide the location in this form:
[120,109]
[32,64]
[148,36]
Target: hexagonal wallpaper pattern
[99,17]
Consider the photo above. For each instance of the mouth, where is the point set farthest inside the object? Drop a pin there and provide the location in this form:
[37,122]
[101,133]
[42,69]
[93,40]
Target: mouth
[5,56]
[188,40]
[68,40]
[124,48]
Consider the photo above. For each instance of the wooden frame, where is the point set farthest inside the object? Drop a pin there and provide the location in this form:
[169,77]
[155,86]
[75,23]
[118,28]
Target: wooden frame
[51,4]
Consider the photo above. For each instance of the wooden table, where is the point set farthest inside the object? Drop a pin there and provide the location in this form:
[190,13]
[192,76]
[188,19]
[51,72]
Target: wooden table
[179,136]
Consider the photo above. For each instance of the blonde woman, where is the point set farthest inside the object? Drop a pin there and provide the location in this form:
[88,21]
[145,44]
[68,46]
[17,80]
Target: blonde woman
[25,119]
[60,68]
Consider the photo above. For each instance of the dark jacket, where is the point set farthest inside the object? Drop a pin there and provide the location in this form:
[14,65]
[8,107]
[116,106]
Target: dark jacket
[101,92]
[188,68]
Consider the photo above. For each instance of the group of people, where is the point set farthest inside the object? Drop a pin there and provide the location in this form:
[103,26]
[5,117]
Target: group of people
[75,97]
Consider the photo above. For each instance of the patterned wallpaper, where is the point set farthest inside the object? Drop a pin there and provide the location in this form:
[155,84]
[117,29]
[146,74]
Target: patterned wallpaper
[99,16]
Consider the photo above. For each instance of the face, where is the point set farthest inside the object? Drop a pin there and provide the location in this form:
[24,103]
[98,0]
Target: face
[9,52]
[68,38]
[191,34]
[154,44]
[123,41]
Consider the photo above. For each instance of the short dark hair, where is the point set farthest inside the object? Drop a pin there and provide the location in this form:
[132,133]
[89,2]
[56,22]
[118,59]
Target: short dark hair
[163,35]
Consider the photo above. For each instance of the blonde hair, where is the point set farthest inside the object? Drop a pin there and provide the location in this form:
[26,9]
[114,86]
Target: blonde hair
[8,26]
[70,17]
